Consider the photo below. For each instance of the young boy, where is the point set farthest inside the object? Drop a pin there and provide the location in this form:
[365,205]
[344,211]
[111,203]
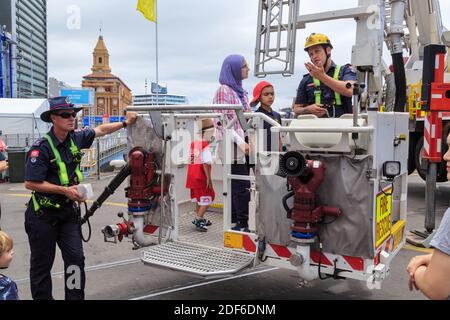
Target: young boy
[199,175]
[8,288]
[264,94]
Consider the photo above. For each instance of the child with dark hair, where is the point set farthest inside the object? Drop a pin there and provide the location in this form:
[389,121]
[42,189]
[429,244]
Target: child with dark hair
[264,96]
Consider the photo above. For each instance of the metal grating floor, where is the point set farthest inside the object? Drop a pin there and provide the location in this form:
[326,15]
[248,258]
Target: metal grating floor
[212,238]
[197,259]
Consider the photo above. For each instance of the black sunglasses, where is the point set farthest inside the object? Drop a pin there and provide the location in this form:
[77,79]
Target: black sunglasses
[66,115]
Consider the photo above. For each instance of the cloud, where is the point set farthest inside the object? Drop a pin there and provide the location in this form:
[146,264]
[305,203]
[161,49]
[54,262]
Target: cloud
[194,38]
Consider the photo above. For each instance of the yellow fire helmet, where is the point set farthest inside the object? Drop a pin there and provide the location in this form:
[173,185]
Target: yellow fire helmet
[315,39]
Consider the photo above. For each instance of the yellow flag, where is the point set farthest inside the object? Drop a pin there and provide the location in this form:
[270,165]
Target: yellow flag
[148,9]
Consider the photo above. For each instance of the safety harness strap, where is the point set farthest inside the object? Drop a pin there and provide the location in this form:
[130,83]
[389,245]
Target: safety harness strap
[75,151]
[318,92]
[36,205]
[43,202]
[62,174]
[337,96]
[62,169]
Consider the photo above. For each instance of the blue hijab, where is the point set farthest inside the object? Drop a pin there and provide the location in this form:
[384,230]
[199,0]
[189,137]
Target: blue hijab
[231,74]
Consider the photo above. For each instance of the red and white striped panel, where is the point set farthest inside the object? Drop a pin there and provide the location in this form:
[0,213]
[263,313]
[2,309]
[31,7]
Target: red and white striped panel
[439,68]
[445,115]
[432,137]
[249,243]
[387,246]
[282,252]
[150,229]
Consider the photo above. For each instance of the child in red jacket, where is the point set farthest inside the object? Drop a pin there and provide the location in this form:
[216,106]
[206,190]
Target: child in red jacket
[199,175]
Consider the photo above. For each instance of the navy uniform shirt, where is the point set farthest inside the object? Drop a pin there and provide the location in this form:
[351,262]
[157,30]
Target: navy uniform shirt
[40,164]
[275,116]
[2,157]
[305,92]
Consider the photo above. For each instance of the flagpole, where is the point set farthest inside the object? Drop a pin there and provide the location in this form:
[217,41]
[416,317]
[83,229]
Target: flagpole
[163,171]
[157,54]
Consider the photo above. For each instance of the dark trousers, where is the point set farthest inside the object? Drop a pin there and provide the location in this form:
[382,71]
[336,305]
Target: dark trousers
[240,195]
[43,236]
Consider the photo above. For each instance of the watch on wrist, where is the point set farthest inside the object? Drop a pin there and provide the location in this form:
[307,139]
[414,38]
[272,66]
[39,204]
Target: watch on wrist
[124,123]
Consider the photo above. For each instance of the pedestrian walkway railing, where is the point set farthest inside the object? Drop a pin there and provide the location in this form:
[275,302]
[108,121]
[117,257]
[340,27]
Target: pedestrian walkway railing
[103,149]
[89,161]
[20,139]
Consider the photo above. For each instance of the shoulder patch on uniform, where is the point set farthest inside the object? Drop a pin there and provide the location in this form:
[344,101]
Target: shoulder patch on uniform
[34,153]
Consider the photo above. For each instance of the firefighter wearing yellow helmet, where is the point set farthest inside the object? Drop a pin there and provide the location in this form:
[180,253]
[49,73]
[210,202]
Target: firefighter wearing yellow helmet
[323,91]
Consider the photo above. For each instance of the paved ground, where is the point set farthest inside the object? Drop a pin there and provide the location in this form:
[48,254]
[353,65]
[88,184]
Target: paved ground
[115,271]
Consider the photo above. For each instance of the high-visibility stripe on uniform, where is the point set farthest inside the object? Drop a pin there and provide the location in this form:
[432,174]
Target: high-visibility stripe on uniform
[337,96]
[75,151]
[318,92]
[35,203]
[62,174]
[62,169]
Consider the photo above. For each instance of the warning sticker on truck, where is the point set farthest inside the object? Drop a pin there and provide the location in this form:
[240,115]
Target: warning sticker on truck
[384,210]
[233,240]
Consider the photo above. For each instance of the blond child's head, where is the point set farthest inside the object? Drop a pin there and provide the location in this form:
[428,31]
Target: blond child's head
[6,250]
[206,129]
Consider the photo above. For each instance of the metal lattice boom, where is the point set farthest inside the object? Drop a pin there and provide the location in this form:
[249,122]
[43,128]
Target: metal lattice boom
[276,36]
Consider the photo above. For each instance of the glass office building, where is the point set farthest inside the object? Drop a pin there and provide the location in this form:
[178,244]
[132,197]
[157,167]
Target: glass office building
[26,20]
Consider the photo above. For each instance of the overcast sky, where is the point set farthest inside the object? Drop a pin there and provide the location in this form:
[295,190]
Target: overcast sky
[194,38]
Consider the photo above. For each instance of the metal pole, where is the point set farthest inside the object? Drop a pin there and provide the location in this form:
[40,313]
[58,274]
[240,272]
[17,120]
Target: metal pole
[430,199]
[366,90]
[355,104]
[178,108]
[2,88]
[367,129]
[32,128]
[157,55]
[11,90]
[356,91]
[98,158]
[161,201]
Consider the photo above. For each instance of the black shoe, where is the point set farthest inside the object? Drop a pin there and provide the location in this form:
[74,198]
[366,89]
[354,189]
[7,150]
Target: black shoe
[200,225]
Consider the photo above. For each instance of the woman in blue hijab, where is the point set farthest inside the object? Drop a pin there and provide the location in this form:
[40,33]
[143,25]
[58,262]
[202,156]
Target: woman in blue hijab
[234,70]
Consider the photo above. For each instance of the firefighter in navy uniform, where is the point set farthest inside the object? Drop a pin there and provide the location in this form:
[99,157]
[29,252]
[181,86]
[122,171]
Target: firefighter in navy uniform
[52,217]
[324,91]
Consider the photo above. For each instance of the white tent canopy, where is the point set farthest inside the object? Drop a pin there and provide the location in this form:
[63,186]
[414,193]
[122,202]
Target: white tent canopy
[22,116]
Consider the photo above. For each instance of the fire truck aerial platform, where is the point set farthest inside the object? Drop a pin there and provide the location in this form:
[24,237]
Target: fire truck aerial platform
[330,198]
[331,202]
